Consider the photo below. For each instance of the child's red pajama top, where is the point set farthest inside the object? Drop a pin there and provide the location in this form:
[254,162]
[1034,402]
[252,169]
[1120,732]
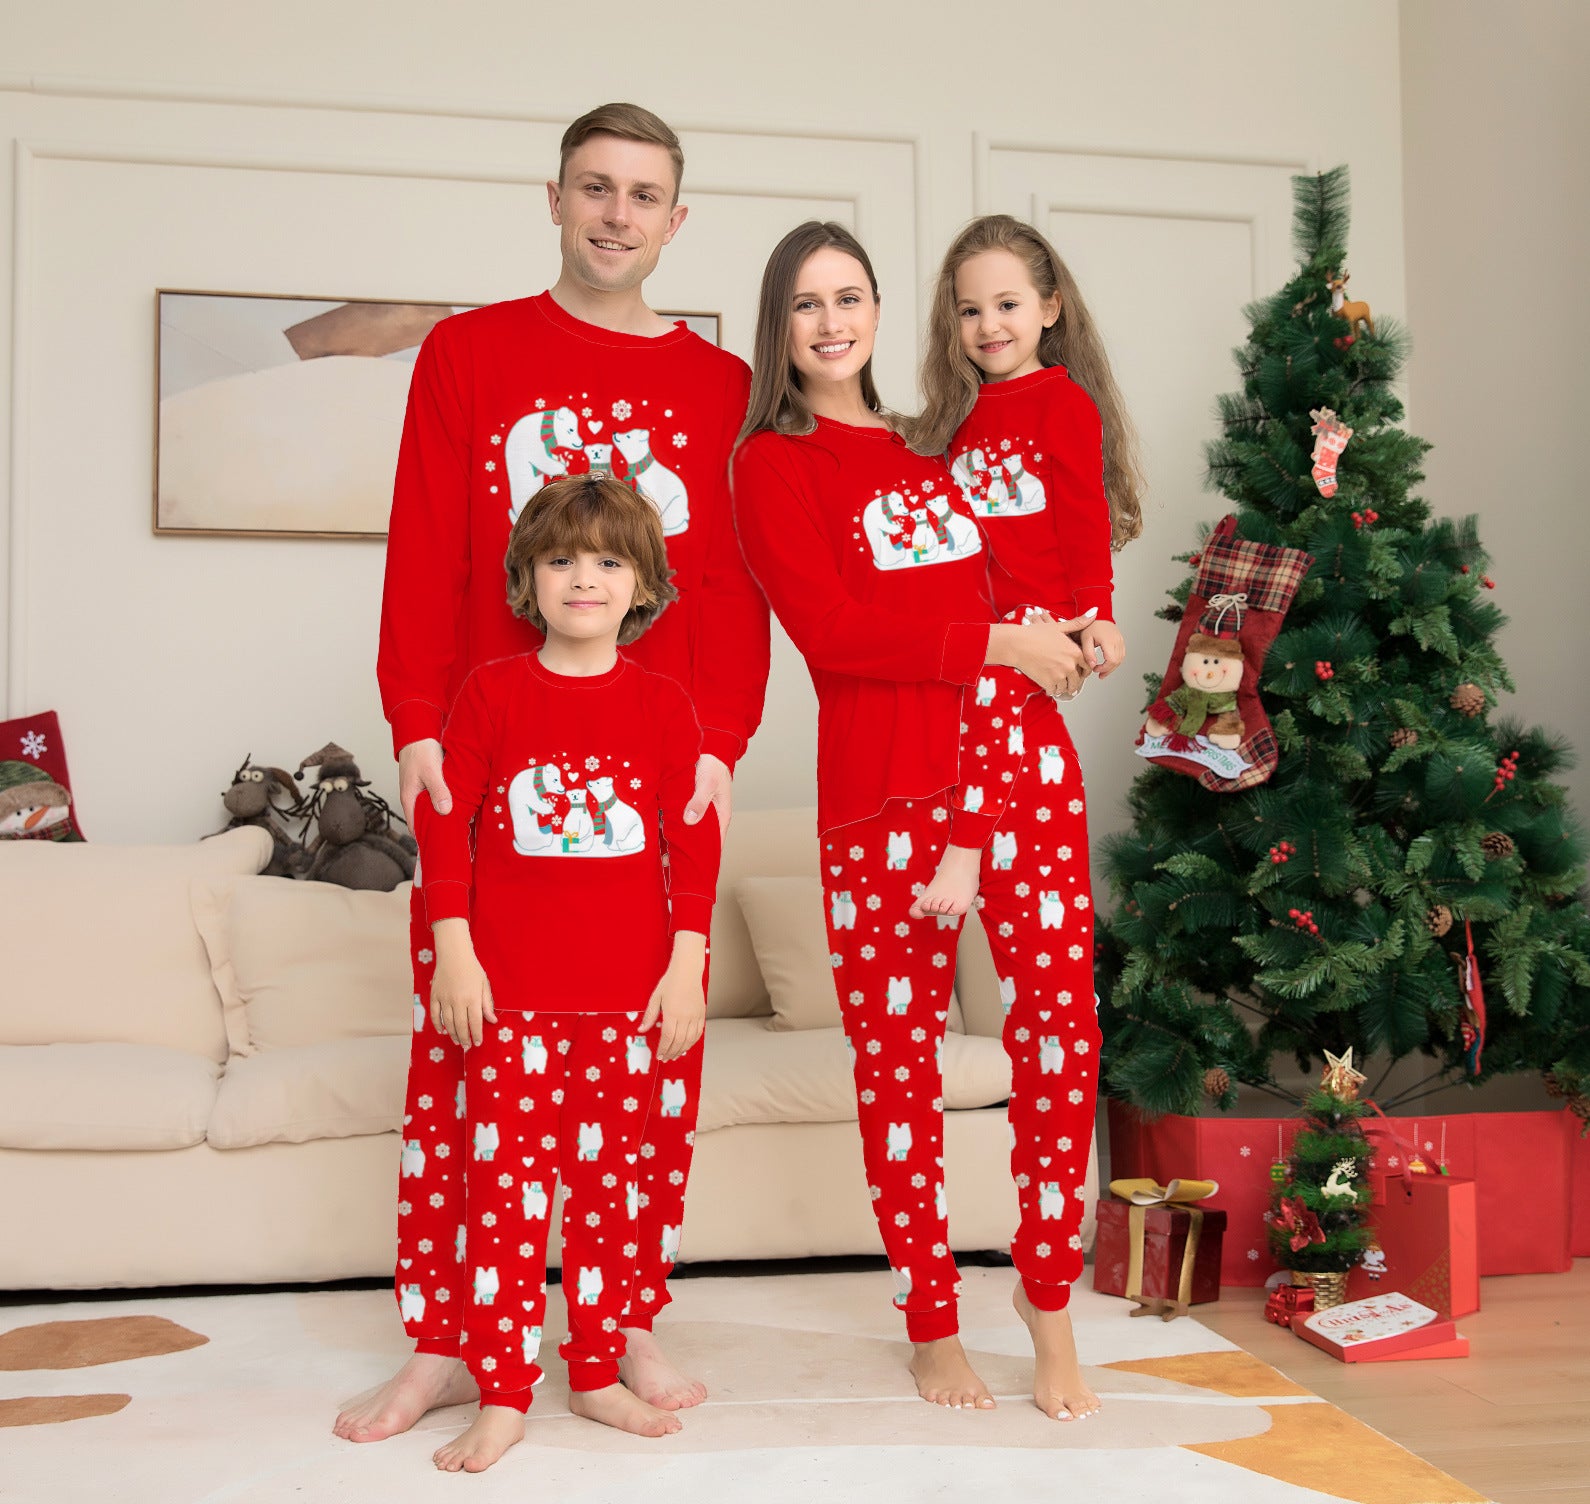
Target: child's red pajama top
[871,561]
[573,789]
[501,399]
[1030,457]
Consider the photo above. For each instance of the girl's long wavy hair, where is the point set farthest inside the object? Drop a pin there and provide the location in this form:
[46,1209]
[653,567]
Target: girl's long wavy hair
[950,380]
[777,402]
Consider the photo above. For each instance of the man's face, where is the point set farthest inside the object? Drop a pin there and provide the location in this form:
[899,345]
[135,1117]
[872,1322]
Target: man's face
[615,208]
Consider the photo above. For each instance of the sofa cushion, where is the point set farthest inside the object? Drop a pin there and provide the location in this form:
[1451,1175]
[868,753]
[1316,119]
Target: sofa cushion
[339,1088]
[301,963]
[785,918]
[103,946]
[752,1073]
[103,1096]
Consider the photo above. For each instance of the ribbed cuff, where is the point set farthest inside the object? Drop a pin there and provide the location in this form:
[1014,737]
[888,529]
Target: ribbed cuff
[446,898]
[414,721]
[438,1347]
[509,1399]
[934,1325]
[723,745]
[1090,596]
[599,1373]
[689,911]
[965,651]
[974,831]
[1046,1297]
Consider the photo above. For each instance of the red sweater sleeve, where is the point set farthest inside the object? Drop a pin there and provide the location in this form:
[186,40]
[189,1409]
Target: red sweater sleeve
[1074,438]
[446,850]
[693,851]
[427,551]
[733,636]
[792,559]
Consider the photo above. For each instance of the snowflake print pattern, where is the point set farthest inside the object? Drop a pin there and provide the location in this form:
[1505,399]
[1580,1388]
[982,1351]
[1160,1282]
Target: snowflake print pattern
[33,744]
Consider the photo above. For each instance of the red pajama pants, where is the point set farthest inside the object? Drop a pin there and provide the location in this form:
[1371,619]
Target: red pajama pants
[431,1207]
[894,975]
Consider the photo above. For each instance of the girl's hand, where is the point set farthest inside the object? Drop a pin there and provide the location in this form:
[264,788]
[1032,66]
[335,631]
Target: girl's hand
[1047,652]
[461,1002]
[679,1000]
[1107,636]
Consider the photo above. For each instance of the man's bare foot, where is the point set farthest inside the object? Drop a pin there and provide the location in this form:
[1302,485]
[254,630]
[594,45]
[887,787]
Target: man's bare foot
[649,1375]
[491,1433]
[615,1406]
[426,1382]
[1057,1386]
[945,1377]
[954,885]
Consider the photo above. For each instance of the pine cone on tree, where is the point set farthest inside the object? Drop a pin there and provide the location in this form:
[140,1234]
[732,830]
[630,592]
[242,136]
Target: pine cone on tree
[1439,920]
[1552,1084]
[1579,1106]
[1468,699]
[1216,1082]
[1496,845]
[1404,736]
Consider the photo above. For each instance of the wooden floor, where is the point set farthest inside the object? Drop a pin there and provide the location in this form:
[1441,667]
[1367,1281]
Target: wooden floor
[1511,1420]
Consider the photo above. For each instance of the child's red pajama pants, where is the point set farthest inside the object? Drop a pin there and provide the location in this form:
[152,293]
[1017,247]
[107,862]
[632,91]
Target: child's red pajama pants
[430,1214]
[894,975]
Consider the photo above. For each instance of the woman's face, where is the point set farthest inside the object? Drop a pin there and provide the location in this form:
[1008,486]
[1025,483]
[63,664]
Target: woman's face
[833,319]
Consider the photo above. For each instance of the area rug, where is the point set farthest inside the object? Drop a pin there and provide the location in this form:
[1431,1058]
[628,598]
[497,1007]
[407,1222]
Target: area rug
[229,1399]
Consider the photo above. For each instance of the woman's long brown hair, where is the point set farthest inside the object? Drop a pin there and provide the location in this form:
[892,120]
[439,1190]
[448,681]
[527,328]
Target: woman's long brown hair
[950,380]
[776,400]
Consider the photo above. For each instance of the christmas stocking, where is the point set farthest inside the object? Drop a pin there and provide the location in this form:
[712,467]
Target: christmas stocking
[35,790]
[1206,720]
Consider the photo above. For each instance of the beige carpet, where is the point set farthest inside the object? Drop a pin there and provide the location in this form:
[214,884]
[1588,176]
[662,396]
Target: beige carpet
[229,1400]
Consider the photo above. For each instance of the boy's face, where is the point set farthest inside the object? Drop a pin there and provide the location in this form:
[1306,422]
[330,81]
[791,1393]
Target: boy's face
[616,210]
[584,596]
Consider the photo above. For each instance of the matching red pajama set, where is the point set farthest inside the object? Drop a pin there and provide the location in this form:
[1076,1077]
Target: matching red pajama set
[503,399]
[872,560]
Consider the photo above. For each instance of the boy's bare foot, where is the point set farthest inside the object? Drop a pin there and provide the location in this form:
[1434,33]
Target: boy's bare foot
[426,1382]
[954,885]
[615,1406]
[945,1377]
[491,1433]
[1057,1386]
[649,1375]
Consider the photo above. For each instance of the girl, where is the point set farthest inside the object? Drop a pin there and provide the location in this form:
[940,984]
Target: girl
[574,766]
[1021,395]
[870,558]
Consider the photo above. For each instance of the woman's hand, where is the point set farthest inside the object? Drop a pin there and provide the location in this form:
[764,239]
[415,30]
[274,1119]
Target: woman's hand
[680,998]
[461,1004]
[1103,648]
[1046,651]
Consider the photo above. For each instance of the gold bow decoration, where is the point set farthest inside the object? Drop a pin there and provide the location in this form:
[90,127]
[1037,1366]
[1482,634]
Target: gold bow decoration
[1143,1194]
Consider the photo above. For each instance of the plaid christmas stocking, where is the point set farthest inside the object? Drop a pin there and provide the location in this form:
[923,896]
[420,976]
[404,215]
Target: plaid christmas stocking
[35,789]
[1207,720]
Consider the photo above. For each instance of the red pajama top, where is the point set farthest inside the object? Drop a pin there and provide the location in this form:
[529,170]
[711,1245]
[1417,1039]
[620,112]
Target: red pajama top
[869,557]
[506,397]
[1030,458]
[569,791]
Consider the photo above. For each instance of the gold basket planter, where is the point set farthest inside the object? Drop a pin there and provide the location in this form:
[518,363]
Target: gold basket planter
[1329,1289]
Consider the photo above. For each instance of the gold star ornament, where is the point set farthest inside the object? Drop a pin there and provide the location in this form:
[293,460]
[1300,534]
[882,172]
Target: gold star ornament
[1340,1078]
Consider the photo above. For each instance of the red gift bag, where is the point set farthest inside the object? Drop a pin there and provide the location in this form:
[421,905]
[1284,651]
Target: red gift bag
[1426,1244]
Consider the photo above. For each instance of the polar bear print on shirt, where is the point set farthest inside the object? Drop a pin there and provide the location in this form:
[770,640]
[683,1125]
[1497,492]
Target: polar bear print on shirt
[656,482]
[528,456]
[1004,850]
[590,1140]
[637,1055]
[533,798]
[411,1303]
[1025,491]
[1051,765]
[413,1157]
[535,1056]
[1051,1055]
[599,458]
[486,1141]
[899,1140]
[485,1285]
[842,910]
[590,1286]
[1051,911]
[624,832]
[963,534]
[672,1098]
[899,994]
[899,850]
[904,532]
[985,690]
[535,1201]
[1051,1203]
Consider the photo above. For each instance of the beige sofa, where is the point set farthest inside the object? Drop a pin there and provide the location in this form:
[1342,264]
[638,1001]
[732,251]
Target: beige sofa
[201,1071]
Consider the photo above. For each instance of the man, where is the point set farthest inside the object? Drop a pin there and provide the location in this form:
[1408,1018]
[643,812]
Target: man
[584,376]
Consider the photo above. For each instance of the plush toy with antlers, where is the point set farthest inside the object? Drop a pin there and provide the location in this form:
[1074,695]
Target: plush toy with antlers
[353,844]
[252,800]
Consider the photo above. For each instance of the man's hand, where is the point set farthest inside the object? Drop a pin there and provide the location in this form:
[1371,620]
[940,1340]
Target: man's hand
[714,786]
[420,767]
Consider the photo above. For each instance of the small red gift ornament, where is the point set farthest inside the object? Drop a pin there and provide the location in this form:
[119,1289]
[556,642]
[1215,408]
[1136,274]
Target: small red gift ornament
[1286,1301]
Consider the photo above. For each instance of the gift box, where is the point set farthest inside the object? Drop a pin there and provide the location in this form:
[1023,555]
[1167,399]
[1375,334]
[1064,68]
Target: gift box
[1287,1301]
[1178,1263]
[1580,1237]
[1425,1244]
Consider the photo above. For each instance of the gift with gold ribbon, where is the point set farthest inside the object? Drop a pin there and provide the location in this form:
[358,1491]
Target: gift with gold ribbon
[1158,1246]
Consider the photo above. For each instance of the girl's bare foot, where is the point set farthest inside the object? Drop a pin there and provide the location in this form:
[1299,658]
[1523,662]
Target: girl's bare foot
[945,1377]
[425,1382]
[649,1375]
[954,885]
[492,1432]
[1057,1386]
[615,1406]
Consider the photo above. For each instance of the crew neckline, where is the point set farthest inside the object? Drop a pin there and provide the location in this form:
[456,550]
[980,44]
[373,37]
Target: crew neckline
[574,681]
[1020,383]
[866,430]
[559,316]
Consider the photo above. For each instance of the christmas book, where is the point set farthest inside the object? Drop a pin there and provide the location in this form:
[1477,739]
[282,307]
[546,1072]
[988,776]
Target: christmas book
[1384,1328]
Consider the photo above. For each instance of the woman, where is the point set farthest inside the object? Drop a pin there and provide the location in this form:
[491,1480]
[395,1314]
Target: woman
[875,567]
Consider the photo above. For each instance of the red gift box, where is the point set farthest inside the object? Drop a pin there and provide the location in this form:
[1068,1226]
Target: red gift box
[1427,1233]
[1165,1232]
[1580,1238]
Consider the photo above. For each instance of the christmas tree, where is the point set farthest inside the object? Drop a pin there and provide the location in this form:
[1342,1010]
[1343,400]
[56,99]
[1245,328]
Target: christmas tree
[1333,905]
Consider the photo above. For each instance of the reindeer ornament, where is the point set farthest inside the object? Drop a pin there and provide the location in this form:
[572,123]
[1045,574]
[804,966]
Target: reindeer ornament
[252,800]
[353,845]
[1354,313]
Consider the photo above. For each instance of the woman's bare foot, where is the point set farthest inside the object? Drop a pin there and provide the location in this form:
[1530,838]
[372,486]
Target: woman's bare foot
[954,885]
[615,1406]
[945,1377]
[425,1382]
[1057,1386]
[491,1433]
[649,1375]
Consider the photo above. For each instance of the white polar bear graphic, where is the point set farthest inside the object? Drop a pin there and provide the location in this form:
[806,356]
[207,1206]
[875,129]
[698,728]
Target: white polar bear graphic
[1024,491]
[1051,911]
[411,1303]
[632,1201]
[1051,1055]
[842,910]
[590,1140]
[656,482]
[1004,846]
[906,532]
[419,1014]
[600,457]
[1017,743]
[899,1140]
[985,691]
[673,1098]
[1051,1203]
[535,1056]
[638,1055]
[902,1285]
[964,537]
[625,831]
[535,1201]
[485,1285]
[590,1286]
[1007,993]
[987,490]
[941,1202]
[899,850]
[413,1157]
[899,994]
[486,1141]
[458,1101]
[670,1244]
[1051,765]
[458,1244]
[972,798]
[533,809]
[528,457]
[530,1336]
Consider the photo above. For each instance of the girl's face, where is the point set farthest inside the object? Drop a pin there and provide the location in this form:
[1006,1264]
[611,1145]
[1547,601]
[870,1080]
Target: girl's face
[1001,315]
[584,596]
[833,319]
